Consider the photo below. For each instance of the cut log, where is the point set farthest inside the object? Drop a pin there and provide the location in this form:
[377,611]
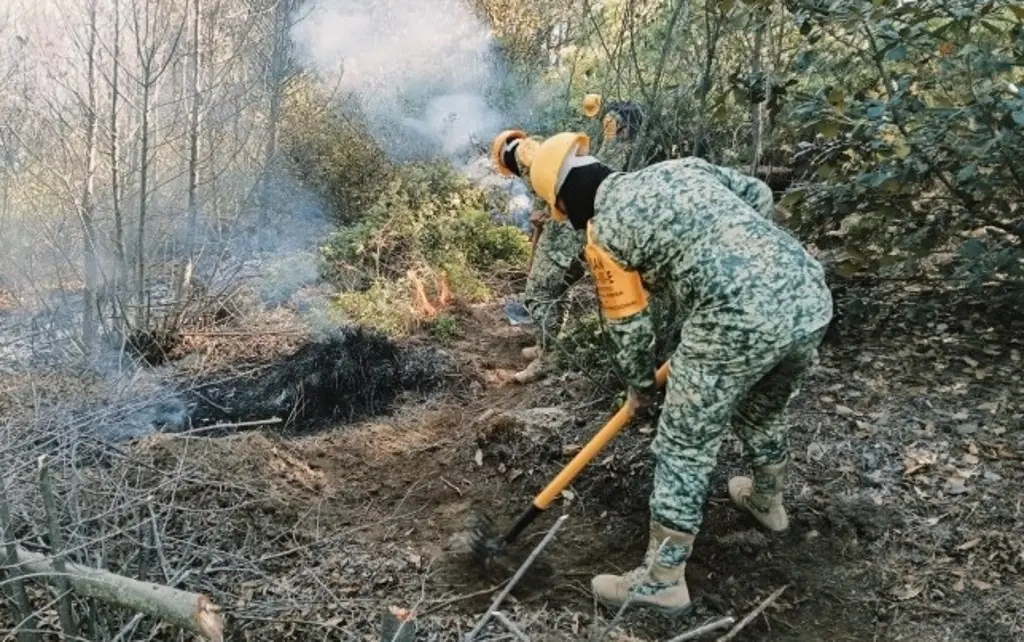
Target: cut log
[190,611]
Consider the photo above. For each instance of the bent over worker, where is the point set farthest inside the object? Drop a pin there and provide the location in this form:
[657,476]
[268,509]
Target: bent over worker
[556,263]
[757,305]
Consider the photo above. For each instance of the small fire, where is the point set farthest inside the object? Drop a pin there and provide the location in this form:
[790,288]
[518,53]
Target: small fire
[423,305]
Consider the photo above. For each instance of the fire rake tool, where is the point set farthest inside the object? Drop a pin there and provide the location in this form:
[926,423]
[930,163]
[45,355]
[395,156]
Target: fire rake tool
[486,545]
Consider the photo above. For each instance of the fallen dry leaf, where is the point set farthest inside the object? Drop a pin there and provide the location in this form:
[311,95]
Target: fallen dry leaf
[844,411]
[981,586]
[968,545]
[915,460]
[907,592]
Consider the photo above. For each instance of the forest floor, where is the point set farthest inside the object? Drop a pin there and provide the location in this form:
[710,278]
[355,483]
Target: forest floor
[905,500]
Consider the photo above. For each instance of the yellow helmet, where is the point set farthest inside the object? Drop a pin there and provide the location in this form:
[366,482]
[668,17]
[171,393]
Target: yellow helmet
[548,160]
[498,148]
[591,105]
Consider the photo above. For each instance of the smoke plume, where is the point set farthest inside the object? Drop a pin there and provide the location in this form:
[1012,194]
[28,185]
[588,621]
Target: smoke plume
[426,72]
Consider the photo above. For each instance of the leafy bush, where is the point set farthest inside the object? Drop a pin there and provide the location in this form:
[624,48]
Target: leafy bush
[331,151]
[428,214]
[428,227]
[914,152]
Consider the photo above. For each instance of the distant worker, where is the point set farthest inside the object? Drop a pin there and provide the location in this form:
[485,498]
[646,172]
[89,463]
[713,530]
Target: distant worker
[757,307]
[621,124]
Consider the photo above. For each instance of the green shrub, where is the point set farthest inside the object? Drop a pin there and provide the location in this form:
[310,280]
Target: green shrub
[427,214]
[444,328]
[384,306]
[330,150]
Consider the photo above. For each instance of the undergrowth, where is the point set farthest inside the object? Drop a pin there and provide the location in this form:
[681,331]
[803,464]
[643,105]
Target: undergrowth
[426,243]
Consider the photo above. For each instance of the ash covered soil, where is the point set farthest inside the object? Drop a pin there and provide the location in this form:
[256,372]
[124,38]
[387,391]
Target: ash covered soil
[905,501]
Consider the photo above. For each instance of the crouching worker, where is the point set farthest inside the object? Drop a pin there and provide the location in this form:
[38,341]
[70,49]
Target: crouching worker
[555,264]
[757,308]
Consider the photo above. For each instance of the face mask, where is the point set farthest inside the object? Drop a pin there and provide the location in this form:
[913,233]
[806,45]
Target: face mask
[579,190]
[508,157]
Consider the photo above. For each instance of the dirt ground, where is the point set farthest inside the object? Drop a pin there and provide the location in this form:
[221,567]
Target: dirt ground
[905,502]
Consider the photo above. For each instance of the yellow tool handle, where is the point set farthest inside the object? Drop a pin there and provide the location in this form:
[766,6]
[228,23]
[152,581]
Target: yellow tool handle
[591,450]
[534,237]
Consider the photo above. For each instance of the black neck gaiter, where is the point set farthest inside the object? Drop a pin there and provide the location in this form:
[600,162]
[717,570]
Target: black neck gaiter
[579,191]
[509,159]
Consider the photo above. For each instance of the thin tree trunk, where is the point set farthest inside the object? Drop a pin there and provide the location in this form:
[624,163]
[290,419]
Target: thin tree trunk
[90,322]
[117,192]
[277,72]
[140,240]
[194,124]
[757,73]
[756,111]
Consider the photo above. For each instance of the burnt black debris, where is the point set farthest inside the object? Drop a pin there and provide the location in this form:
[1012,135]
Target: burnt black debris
[355,373]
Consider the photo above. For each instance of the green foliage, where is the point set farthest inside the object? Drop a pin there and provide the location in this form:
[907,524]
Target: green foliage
[428,214]
[331,151]
[444,328]
[380,307]
[585,348]
[919,142]
[428,230]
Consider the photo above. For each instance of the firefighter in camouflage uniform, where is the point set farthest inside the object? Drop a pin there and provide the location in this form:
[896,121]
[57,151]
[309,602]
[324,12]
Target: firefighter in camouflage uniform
[755,307]
[557,259]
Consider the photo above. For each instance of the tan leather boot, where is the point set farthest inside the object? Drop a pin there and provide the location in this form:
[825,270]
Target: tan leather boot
[538,369]
[531,352]
[761,497]
[664,587]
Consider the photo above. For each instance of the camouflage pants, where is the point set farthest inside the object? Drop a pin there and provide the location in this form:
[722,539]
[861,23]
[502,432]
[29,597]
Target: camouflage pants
[712,384]
[557,266]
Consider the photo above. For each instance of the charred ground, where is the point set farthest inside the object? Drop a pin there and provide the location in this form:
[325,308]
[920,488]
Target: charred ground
[904,501]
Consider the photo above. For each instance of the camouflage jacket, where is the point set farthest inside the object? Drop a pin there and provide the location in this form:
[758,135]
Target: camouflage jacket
[703,235]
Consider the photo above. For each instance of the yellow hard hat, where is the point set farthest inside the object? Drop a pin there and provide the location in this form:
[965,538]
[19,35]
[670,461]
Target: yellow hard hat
[527,150]
[498,148]
[547,166]
[591,105]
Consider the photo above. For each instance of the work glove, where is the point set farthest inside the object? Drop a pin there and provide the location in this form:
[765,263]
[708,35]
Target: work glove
[645,403]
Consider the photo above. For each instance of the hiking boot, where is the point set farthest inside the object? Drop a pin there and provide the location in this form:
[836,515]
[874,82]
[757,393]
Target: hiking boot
[663,587]
[538,369]
[531,352]
[761,497]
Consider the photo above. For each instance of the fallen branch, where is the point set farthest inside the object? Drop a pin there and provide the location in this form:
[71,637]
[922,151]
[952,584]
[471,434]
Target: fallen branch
[242,333]
[734,631]
[713,625]
[510,625]
[233,424]
[190,611]
[515,579]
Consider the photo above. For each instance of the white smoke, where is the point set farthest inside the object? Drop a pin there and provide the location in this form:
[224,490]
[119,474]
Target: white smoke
[424,71]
